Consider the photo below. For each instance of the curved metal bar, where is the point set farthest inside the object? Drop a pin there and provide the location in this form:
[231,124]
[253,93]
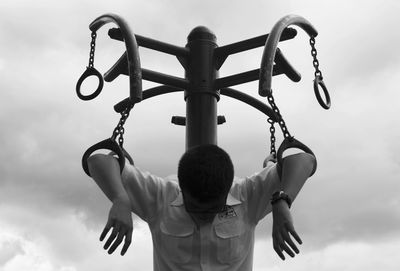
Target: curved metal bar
[152,92]
[149,93]
[153,44]
[250,101]
[283,66]
[288,143]
[134,68]
[271,44]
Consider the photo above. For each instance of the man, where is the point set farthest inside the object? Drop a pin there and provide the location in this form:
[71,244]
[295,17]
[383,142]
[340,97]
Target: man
[207,220]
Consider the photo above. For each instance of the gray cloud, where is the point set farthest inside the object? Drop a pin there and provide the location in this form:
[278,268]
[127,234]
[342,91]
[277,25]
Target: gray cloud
[9,250]
[45,128]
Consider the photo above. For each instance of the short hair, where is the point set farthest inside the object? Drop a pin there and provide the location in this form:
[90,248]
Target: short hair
[206,172]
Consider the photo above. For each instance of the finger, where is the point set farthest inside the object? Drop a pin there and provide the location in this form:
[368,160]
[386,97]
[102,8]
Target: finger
[295,235]
[286,248]
[278,250]
[106,230]
[117,242]
[128,240]
[112,236]
[289,241]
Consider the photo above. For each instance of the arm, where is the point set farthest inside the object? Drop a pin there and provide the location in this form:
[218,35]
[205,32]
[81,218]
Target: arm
[105,171]
[295,171]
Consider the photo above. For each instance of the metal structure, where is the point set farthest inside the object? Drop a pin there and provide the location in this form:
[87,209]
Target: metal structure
[201,59]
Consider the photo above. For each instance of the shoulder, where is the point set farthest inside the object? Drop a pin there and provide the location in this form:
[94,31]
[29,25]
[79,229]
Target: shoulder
[265,173]
[263,177]
[133,174]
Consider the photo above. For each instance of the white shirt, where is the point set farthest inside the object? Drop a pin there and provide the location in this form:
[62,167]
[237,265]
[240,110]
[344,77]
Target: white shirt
[178,243]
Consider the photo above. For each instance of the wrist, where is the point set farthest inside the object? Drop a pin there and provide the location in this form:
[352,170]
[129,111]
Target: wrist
[281,196]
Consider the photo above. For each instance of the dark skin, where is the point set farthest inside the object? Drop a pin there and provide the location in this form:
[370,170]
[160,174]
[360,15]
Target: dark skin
[120,220]
[282,225]
[105,171]
[282,229]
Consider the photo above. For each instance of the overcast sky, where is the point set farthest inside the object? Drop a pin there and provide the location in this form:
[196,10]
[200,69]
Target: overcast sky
[51,213]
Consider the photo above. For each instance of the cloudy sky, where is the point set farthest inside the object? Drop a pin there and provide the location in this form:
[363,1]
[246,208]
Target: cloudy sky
[51,213]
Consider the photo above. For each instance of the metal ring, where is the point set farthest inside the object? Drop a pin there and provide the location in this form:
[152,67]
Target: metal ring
[89,72]
[291,142]
[319,82]
[107,144]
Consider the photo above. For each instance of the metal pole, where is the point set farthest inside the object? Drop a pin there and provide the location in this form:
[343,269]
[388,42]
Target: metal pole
[201,97]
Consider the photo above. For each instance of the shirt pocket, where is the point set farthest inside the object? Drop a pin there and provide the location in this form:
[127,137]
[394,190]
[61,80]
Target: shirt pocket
[177,241]
[232,241]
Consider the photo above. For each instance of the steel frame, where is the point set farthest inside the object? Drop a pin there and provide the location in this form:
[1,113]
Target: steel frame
[201,59]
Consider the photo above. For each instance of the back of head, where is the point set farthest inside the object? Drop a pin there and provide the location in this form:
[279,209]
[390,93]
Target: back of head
[206,172]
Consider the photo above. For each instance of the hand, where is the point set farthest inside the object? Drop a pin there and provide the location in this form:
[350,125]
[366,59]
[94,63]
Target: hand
[120,219]
[282,226]
[270,158]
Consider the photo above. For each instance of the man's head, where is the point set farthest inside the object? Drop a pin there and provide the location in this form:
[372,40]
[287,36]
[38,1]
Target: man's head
[205,175]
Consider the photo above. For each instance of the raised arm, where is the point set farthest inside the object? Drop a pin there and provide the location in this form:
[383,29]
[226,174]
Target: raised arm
[296,170]
[105,171]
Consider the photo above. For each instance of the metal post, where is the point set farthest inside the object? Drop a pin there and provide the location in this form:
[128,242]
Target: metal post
[201,97]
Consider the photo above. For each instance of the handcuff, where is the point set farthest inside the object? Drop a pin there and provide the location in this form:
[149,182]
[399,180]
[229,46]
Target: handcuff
[281,195]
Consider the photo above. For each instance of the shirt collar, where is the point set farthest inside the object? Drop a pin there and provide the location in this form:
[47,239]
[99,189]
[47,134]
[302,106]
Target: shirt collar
[230,201]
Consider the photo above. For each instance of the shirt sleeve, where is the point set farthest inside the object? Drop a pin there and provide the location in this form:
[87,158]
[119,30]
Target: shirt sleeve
[145,191]
[257,190]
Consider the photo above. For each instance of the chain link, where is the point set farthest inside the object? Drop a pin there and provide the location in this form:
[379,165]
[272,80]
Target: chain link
[272,138]
[92,49]
[317,72]
[281,123]
[120,130]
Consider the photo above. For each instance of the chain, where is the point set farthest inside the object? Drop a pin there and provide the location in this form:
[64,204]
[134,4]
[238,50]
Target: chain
[270,97]
[281,122]
[272,138]
[120,130]
[317,72]
[92,49]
